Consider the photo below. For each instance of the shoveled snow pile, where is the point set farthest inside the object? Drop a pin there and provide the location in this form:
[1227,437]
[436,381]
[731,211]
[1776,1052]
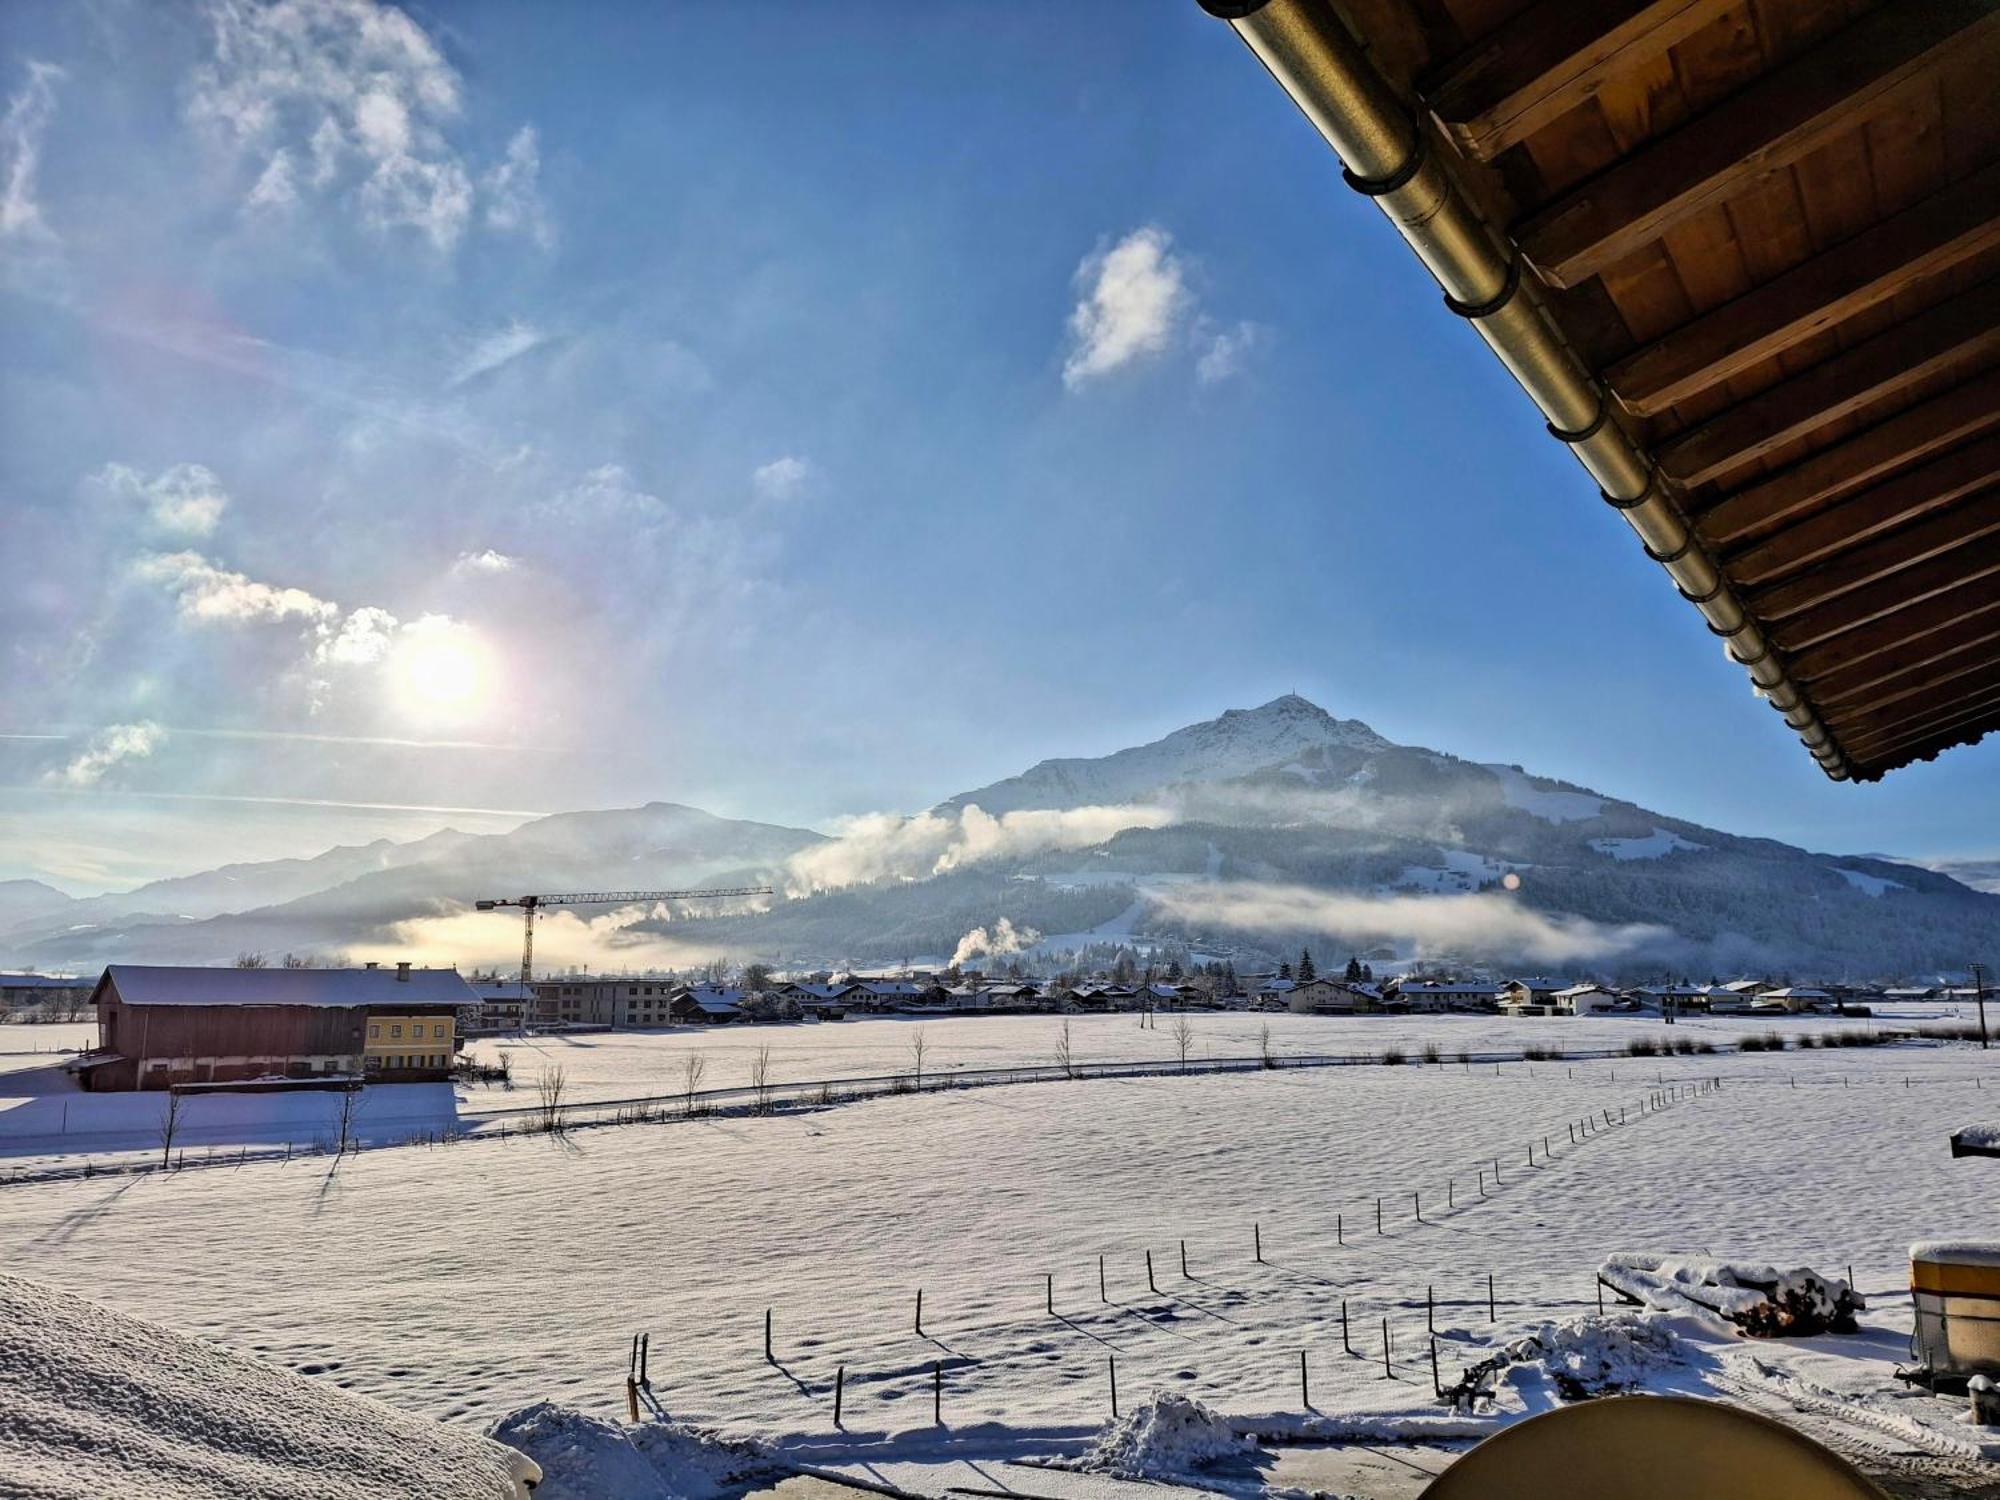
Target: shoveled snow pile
[588,1458]
[1588,1356]
[1760,1300]
[95,1403]
[1167,1434]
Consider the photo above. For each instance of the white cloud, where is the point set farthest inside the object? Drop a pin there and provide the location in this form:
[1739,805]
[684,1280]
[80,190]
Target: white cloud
[485,563]
[502,346]
[109,747]
[359,88]
[364,637]
[1225,353]
[21,131]
[512,188]
[1473,925]
[782,478]
[186,498]
[564,941]
[211,594]
[1134,299]
[890,846]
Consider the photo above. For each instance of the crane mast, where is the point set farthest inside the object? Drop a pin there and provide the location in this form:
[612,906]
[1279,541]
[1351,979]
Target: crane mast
[529,905]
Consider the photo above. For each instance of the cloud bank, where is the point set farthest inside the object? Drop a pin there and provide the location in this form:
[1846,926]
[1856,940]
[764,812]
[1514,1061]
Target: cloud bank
[891,846]
[109,747]
[1485,924]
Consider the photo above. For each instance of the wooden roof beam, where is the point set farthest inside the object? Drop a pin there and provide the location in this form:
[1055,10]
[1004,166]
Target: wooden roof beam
[1978,558]
[1541,63]
[1893,727]
[1933,537]
[1970,722]
[1831,90]
[1962,331]
[1950,227]
[1906,634]
[1909,496]
[1930,427]
[1886,682]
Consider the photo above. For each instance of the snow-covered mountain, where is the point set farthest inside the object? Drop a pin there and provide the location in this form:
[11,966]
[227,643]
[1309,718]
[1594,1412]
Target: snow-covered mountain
[1287,734]
[1284,797]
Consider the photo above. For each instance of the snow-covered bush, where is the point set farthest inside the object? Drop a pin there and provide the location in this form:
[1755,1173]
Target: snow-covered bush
[1167,1434]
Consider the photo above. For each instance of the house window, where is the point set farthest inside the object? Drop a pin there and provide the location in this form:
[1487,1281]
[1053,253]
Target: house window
[395,1031]
[374,1032]
[438,1031]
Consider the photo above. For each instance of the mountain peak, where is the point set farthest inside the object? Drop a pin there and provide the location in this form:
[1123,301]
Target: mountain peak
[1238,742]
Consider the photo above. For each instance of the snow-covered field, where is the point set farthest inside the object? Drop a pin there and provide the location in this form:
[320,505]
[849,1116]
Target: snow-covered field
[626,1065]
[470,1280]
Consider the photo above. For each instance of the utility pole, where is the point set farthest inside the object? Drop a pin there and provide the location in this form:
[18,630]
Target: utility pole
[1979,994]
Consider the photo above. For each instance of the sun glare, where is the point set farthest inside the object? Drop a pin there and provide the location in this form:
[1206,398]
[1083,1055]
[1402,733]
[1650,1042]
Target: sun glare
[442,672]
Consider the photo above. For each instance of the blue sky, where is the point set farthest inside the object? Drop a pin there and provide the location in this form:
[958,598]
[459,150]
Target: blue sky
[791,410]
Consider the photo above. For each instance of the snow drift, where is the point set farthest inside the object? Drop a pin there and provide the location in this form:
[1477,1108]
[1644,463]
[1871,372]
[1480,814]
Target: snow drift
[587,1458]
[96,1403]
[1167,1434]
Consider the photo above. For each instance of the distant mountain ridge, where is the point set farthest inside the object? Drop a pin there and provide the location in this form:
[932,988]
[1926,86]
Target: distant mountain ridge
[1284,795]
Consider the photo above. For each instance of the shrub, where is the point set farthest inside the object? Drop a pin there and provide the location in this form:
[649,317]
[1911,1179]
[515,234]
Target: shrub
[1641,1047]
[1430,1052]
[1393,1056]
[1704,1047]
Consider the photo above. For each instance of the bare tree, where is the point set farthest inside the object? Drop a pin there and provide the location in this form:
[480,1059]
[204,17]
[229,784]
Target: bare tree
[1065,1057]
[549,1089]
[350,1106]
[692,1067]
[760,1078]
[1264,1046]
[919,1048]
[170,1124]
[716,970]
[1183,1037]
[249,960]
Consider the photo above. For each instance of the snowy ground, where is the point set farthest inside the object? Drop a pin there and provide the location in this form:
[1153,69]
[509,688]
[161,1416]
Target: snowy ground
[470,1280]
[47,1123]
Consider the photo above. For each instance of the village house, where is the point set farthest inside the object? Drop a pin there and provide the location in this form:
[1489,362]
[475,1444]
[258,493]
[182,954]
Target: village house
[705,1006]
[1793,1000]
[1530,997]
[1424,996]
[1671,999]
[1332,997]
[161,1025]
[1584,1000]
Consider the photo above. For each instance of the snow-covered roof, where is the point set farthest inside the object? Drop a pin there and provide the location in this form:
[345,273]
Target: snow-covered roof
[1408,988]
[102,1403]
[161,984]
[1577,991]
[1964,1252]
[1794,992]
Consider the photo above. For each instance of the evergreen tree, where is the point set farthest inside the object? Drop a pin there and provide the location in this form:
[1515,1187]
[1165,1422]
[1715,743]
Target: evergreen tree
[1284,971]
[1307,973]
[1354,971]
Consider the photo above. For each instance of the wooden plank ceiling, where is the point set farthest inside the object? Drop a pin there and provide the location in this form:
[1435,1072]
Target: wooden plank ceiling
[1772,227]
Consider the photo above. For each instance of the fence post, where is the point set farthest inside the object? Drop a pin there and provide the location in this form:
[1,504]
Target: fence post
[1339,1230]
[1600,1296]
[1112,1361]
[1102,1295]
[645,1348]
[1489,1296]
[1378,1215]
[920,1312]
[1387,1372]
[839,1391]
[1184,1269]
[1437,1385]
[769,1358]
[1417,1206]
[1257,1241]
[1305,1389]
[1344,1344]
[1051,1282]
[1430,1309]
[1151,1285]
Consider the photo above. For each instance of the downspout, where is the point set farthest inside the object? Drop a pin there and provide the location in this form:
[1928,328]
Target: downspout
[1387,155]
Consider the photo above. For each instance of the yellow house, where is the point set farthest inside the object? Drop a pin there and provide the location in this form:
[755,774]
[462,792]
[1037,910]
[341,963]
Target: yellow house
[402,1047]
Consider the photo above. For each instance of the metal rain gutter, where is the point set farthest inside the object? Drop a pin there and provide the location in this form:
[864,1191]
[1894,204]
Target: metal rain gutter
[1386,154]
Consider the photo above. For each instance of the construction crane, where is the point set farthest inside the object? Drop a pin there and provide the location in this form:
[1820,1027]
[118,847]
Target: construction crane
[531,904]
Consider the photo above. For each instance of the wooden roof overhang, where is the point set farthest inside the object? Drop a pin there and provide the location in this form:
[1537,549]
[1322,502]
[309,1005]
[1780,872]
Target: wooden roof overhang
[1766,235]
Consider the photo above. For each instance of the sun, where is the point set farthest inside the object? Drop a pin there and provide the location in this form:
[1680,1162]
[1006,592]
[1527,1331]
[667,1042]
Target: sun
[442,671]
